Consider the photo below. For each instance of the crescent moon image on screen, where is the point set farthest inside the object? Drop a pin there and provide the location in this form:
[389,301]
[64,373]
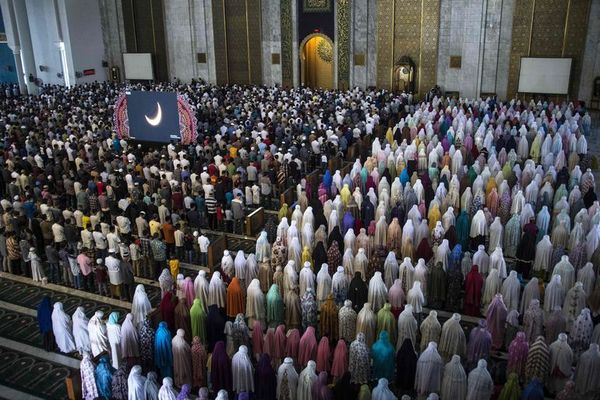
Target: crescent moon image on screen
[154,121]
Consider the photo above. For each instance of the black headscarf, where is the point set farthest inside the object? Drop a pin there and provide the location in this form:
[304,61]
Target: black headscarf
[358,292]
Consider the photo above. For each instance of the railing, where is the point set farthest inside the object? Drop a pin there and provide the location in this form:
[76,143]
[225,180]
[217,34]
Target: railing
[215,251]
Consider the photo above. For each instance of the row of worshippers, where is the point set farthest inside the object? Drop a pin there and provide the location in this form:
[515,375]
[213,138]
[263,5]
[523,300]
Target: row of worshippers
[284,323]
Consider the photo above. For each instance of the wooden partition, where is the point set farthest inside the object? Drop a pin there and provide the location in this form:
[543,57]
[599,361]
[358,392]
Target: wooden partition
[215,251]
[255,222]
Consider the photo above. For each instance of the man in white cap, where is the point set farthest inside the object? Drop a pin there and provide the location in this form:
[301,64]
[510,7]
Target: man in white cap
[113,265]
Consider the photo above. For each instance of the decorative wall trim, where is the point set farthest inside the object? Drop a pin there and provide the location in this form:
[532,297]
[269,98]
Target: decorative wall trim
[287,63]
[385,43]
[316,6]
[343,45]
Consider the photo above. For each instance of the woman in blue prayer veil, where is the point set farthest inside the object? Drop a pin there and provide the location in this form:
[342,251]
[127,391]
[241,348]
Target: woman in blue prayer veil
[383,356]
[163,355]
[104,373]
[44,316]
[327,181]
[463,226]
[455,258]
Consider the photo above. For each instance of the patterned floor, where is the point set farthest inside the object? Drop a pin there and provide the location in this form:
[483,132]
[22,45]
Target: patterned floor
[30,296]
[33,375]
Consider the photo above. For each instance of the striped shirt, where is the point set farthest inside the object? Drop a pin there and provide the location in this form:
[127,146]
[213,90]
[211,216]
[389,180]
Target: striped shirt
[211,205]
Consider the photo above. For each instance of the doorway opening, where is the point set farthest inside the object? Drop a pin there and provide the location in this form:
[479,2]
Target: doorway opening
[316,61]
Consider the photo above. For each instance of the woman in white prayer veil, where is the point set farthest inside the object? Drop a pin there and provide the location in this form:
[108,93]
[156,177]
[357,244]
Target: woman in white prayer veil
[454,384]
[408,234]
[113,332]
[554,294]
[136,384]
[543,257]
[382,391]
[577,236]
[390,269]
[498,262]
[363,241]
[380,211]
[430,329]
[360,263]
[297,215]
[350,241]
[422,232]
[496,234]
[348,262]
[140,307]
[62,329]
[482,260]
[561,362]
[366,323]
[295,252]
[308,236]
[448,219]
[416,298]
[441,254]
[306,379]
[453,339]
[226,266]
[381,232]
[466,200]
[565,269]
[80,331]
[263,248]
[575,300]
[255,304]
[592,241]
[511,291]
[480,383]
[239,264]
[292,233]
[98,333]
[323,284]
[290,276]
[419,190]
[167,391]
[242,372]
[282,229]
[332,221]
[587,372]
[587,277]
[413,215]
[288,373]
[406,274]
[377,293]
[407,327]
[222,395]
[478,225]
[201,286]
[217,293]
[491,287]
[531,292]
[306,278]
[428,377]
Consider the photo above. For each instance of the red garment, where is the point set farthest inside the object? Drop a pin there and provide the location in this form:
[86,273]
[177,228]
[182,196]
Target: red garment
[323,354]
[473,286]
[257,339]
[307,349]
[269,342]
[292,344]
[340,359]
[167,310]
[280,339]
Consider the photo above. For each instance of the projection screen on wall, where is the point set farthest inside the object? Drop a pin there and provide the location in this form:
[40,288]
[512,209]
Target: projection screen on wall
[138,66]
[545,75]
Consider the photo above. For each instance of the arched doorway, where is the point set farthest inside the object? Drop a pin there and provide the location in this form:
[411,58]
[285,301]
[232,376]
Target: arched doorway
[316,61]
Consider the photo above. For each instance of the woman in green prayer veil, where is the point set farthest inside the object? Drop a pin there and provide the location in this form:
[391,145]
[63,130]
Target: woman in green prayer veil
[274,307]
[198,319]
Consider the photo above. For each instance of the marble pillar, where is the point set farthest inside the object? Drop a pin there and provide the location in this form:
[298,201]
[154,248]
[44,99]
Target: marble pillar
[271,41]
[591,57]
[359,44]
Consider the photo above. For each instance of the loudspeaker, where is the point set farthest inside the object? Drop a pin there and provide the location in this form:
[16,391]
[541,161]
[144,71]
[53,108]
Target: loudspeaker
[115,74]
[104,64]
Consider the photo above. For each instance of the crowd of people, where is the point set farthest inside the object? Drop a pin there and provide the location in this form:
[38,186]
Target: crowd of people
[475,207]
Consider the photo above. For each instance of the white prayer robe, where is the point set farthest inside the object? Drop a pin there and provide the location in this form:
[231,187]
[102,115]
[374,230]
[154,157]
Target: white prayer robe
[80,331]
[98,334]
[62,327]
[242,371]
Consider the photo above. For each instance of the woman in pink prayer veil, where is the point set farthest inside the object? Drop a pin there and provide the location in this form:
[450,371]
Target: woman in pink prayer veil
[307,349]
[517,355]
[269,342]
[257,339]
[340,359]
[323,355]
[292,344]
[279,348]
[496,320]
[188,291]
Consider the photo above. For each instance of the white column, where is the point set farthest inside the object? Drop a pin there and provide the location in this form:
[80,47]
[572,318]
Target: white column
[22,47]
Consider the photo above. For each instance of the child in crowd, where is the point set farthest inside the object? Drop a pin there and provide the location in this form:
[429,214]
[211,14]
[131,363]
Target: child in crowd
[101,274]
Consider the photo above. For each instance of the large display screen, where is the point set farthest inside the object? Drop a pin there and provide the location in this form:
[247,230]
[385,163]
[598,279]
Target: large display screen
[153,116]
